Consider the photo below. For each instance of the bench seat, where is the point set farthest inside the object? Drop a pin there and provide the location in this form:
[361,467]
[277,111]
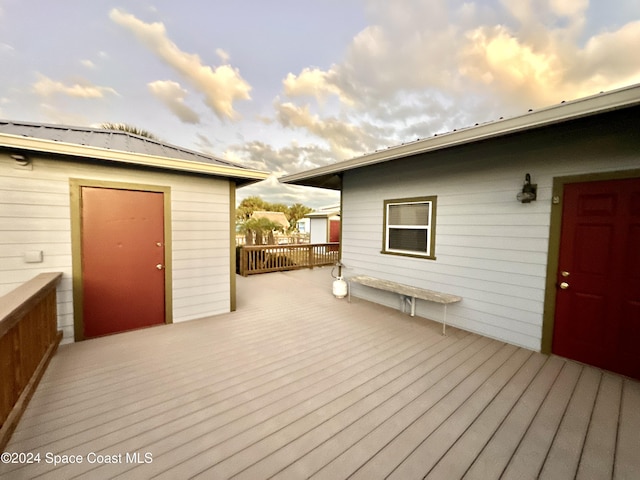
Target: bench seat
[408,292]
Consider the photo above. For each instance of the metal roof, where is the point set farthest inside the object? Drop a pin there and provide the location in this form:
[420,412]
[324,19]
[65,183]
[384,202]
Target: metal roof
[328,175]
[118,146]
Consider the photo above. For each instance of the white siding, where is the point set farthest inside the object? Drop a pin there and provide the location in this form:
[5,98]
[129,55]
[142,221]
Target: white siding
[35,215]
[318,229]
[491,250]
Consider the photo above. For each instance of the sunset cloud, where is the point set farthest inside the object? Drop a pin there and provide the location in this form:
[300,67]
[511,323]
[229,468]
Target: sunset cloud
[221,86]
[287,159]
[46,87]
[315,83]
[345,138]
[172,95]
[516,70]
[421,66]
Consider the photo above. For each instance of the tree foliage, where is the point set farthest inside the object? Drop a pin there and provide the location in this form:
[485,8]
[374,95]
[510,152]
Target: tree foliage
[260,227]
[254,203]
[296,212]
[248,206]
[123,127]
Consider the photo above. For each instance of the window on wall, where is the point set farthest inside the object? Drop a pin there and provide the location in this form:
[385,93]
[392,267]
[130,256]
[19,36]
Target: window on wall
[409,227]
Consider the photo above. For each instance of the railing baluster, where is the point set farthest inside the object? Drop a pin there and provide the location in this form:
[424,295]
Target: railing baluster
[273,258]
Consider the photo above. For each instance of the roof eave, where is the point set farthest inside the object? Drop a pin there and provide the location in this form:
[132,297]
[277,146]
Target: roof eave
[323,176]
[241,176]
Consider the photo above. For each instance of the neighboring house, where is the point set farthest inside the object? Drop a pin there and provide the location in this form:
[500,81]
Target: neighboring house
[558,274]
[303,225]
[143,231]
[324,225]
[276,217]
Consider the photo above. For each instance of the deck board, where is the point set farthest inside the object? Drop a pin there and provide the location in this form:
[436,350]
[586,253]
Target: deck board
[336,430]
[434,446]
[349,449]
[565,452]
[320,388]
[533,449]
[627,460]
[462,452]
[599,448]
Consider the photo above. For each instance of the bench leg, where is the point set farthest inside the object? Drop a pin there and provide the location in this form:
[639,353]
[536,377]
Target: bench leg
[412,304]
[444,321]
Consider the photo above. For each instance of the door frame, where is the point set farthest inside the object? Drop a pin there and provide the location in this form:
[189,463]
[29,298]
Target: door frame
[555,230]
[75,187]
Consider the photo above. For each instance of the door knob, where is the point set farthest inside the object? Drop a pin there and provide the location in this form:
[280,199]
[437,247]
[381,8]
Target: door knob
[564,273]
[160,266]
[564,285]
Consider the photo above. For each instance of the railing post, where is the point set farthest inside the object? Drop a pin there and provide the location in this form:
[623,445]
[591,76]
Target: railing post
[243,261]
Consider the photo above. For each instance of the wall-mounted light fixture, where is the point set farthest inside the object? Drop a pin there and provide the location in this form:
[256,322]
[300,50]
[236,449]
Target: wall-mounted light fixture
[21,160]
[529,191]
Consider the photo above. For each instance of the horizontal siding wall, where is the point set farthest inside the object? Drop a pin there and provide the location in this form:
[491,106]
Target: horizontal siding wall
[35,215]
[490,249]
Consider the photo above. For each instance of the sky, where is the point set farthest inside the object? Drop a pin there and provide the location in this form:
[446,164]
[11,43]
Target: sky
[288,85]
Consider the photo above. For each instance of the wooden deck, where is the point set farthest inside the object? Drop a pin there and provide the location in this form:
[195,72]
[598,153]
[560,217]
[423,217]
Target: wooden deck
[298,384]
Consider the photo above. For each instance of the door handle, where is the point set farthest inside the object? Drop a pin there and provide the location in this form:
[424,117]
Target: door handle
[564,285]
[160,266]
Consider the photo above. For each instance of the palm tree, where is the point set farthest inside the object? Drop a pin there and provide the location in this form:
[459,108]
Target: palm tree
[123,127]
[260,226]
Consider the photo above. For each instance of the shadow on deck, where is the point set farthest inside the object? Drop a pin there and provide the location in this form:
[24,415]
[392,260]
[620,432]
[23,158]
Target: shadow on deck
[298,384]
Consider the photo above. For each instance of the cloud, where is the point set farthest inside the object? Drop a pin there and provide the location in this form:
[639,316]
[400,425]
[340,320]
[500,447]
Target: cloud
[88,64]
[315,83]
[427,66]
[221,86]
[288,159]
[605,58]
[345,138]
[515,70]
[536,14]
[272,191]
[497,58]
[569,8]
[64,116]
[46,87]
[172,95]
[224,56]
[6,49]
[280,161]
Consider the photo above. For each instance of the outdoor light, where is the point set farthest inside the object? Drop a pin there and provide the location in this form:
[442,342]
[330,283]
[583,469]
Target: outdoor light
[21,160]
[528,193]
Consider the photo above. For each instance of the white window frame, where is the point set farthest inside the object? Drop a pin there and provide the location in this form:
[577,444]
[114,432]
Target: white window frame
[429,228]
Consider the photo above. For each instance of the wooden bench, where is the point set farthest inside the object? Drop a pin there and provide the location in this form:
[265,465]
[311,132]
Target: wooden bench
[408,293]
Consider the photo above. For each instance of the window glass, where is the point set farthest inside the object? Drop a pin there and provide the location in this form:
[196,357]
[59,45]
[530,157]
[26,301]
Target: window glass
[408,239]
[409,214]
[410,227]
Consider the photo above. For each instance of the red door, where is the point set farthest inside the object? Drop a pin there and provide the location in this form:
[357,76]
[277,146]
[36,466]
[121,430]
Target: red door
[334,230]
[597,318]
[123,275]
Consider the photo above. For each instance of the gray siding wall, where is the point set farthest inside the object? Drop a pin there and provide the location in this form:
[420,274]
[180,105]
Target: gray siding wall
[35,215]
[490,249]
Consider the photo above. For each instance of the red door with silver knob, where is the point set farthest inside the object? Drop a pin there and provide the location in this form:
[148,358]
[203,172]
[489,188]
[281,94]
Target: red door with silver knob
[123,277]
[597,319]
